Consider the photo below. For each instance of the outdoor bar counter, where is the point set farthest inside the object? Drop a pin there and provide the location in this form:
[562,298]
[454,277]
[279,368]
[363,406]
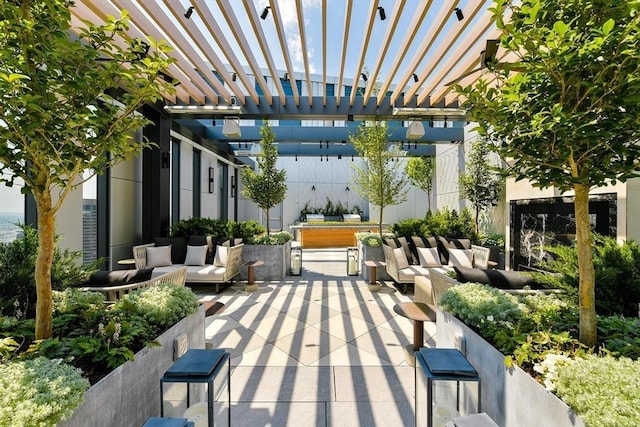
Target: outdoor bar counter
[316,235]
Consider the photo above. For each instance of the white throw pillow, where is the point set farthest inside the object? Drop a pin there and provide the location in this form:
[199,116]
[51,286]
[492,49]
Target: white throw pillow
[401,258]
[196,255]
[429,257]
[461,258]
[222,255]
[159,256]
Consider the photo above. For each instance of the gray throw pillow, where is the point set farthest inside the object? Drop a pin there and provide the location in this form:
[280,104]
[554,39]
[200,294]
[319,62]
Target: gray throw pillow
[159,256]
[196,255]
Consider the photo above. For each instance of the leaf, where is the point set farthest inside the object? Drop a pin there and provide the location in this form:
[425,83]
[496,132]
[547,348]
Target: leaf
[560,28]
[608,26]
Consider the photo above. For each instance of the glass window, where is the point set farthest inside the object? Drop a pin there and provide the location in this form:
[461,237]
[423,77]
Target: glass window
[11,211]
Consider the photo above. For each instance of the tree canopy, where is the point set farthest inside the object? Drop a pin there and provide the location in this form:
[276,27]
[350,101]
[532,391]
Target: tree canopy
[378,178]
[420,171]
[266,187]
[570,117]
[69,100]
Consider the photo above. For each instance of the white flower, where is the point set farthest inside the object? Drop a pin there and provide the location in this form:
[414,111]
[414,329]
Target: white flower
[490,318]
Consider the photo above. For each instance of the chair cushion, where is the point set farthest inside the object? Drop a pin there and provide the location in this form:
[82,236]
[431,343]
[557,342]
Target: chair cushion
[401,258]
[159,256]
[500,279]
[196,255]
[221,257]
[178,247]
[460,257]
[118,277]
[401,242]
[429,257]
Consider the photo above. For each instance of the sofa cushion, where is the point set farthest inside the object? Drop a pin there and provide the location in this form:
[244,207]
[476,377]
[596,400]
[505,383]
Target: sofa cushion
[196,255]
[178,247]
[118,277]
[401,242]
[201,241]
[416,242]
[445,244]
[409,274]
[460,257]
[429,257]
[500,279]
[159,256]
[401,258]
[221,257]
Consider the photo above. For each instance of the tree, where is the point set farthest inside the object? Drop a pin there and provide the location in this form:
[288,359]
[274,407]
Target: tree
[60,115]
[420,172]
[377,179]
[266,188]
[570,117]
[480,184]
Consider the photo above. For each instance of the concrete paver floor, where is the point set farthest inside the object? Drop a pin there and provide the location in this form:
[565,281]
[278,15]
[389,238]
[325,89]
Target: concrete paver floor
[318,349]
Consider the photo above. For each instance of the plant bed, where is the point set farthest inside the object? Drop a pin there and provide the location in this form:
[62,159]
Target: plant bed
[371,253]
[131,393]
[276,261]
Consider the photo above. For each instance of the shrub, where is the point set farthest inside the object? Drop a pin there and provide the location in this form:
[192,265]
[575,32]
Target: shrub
[408,227]
[200,227]
[602,390]
[617,274]
[272,239]
[369,239]
[161,305]
[246,230]
[39,392]
[445,222]
[620,335]
[17,272]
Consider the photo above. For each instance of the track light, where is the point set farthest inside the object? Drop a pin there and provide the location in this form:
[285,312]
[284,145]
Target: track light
[296,157]
[286,76]
[459,14]
[233,77]
[364,77]
[265,12]
[347,189]
[189,12]
[327,142]
[382,13]
[344,142]
[415,77]
[352,157]
[321,145]
[349,117]
[339,156]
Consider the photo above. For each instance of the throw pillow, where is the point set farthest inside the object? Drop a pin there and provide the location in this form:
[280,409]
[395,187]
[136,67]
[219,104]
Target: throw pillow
[445,244]
[196,255]
[461,257]
[401,258]
[401,242]
[429,257]
[201,241]
[222,255]
[416,242]
[178,247]
[159,256]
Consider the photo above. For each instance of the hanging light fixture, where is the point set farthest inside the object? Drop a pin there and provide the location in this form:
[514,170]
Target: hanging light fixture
[255,149]
[231,127]
[415,130]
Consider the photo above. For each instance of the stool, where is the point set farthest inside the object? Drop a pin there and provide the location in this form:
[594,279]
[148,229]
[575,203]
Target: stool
[200,366]
[419,312]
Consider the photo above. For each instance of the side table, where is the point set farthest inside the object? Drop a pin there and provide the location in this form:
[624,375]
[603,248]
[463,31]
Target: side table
[202,366]
[374,286]
[129,262]
[419,312]
[251,286]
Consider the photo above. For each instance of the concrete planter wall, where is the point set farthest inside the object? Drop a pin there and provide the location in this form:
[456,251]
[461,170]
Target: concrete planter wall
[371,253]
[276,261]
[131,393]
[509,396]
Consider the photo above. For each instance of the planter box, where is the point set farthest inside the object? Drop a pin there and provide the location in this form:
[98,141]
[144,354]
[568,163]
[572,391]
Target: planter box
[276,261]
[131,393]
[509,396]
[371,253]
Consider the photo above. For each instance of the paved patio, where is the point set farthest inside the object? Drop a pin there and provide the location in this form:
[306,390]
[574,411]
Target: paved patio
[318,349]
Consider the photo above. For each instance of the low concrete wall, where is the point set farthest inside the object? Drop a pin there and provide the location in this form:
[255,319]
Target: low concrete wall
[276,261]
[509,396]
[131,393]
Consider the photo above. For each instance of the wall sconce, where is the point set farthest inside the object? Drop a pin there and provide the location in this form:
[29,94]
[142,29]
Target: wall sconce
[349,117]
[313,188]
[339,156]
[211,177]
[286,76]
[347,189]
[265,12]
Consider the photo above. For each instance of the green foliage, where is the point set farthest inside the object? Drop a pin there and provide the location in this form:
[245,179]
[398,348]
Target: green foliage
[617,273]
[369,239]
[246,230]
[329,209]
[39,392]
[480,184]
[17,272]
[161,305]
[420,171]
[492,239]
[378,178]
[620,335]
[266,187]
[200,227]
[274,239]
[443,222]
[602,390]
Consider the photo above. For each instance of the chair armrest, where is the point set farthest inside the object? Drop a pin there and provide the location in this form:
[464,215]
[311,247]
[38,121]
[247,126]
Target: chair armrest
[140,255]
[480,257]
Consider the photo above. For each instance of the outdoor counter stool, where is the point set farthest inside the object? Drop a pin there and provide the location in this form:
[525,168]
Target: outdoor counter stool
[204,366]
[443,375]
[167,422]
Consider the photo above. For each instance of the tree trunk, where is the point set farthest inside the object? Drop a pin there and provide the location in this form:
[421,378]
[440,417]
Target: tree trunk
[477,220]
[429,200]
[46,246]
[380,222]
[588,331]
[266,211]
